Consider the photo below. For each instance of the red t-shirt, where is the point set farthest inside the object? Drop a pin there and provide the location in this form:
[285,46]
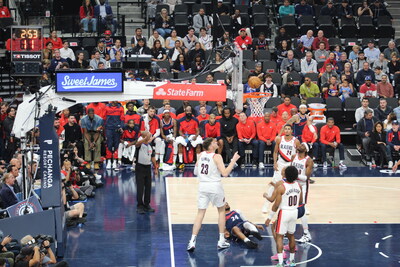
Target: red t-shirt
[99,109]
[212,130]
[154,124]
[57,44]
[266,131]
[282,108]
[246,41]
[188,127]
[200,118]
[329,135]
[368,91]
[307,136]
[246,130]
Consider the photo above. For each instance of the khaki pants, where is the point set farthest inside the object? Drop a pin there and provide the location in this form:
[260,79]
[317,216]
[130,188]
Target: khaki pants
[97,151]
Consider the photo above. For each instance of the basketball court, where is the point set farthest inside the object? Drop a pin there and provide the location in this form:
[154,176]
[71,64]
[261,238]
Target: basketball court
[354,221]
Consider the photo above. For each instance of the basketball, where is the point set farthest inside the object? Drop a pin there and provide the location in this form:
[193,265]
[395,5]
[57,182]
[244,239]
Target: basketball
[254,82]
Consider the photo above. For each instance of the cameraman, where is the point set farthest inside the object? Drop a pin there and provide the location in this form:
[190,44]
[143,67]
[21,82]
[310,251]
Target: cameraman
[43,249]
[29,256]
[72,174]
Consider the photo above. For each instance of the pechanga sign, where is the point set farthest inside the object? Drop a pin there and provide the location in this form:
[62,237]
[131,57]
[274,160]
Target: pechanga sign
[87,82]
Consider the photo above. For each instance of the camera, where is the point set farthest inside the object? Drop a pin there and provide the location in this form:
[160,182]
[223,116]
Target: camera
[38,241]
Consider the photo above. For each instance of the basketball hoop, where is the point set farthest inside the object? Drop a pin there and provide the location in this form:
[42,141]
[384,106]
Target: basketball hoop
[256,101]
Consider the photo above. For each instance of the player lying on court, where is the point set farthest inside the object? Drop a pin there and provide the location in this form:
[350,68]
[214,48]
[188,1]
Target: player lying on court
[209,168]
[238,228]
[288,198]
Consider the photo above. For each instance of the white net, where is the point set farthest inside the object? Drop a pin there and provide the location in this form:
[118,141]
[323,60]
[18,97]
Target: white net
[257,104]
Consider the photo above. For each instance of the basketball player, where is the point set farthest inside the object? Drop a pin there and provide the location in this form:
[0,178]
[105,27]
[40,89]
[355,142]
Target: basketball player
[168,134]
[238,227]
[304,165]
[285,148]
[288,198]
[299,121]
[209,168]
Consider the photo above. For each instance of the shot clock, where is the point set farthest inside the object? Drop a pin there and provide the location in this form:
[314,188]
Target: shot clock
[26,49]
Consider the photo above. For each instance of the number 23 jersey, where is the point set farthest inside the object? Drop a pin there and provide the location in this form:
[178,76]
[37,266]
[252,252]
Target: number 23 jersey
[208,173]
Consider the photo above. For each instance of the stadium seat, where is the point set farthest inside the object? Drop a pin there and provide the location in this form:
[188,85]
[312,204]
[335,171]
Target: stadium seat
[161,6]
[306,23]
[164,66]
[86,55]
[269,66]
[219,76]
[259,10]
[334,109]
[333,41]
[201,78]
[385,28]
[350,106]
[392,101]
[250,65]
[248,55]
[213,66]
[189,2]
[347,28]
[373,102]
[181,9]
[183,75]
[289,23]
[277,79]
[74,43]
[313,76]
[295,101]
[196,8]
[226,23]
[365,41]
[311,100]
[317,10]
[366,27]
[260,24]
[349,43]
[296,78]
[273,102]
[244,9]
[383,43]
[165,76]
[397,42]
[181,24]
[263,55]
[325,23]
[89,44]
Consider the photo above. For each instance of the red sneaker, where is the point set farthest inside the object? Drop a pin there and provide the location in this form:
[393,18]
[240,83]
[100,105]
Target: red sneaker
[275,257]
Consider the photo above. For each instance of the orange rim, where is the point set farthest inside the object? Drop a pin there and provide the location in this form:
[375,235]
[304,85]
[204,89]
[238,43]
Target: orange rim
[256,95]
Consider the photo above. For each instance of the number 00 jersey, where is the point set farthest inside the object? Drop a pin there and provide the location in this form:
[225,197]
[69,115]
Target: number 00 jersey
[291,197]
[287,149]
[207,169]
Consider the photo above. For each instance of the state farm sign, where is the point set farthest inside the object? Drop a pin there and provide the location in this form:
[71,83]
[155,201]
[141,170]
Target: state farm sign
[190,91]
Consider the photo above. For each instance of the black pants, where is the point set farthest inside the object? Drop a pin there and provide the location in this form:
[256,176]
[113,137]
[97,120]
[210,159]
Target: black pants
[230,148]
[143,184]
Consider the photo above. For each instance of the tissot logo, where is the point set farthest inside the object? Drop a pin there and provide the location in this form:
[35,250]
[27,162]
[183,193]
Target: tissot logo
[27,56]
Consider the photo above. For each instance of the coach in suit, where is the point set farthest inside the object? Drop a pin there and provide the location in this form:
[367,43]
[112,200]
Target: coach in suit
[7,194]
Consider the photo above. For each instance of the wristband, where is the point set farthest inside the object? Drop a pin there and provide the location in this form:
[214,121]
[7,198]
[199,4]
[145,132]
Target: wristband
[271,214]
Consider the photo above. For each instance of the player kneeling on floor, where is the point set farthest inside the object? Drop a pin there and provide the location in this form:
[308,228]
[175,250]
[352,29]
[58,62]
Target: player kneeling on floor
[239,228]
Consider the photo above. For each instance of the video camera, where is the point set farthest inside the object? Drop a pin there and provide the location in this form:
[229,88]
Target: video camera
[38,241]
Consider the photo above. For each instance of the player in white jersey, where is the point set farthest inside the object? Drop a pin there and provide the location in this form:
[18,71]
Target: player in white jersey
[288,198]
[285,148]
[209,169]
[304,165]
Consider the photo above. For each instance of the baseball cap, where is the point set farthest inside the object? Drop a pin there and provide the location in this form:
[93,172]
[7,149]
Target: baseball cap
[258,64]
[107,32]
[289,79]
[26,251]
[242,29]
[395,122]
[371,41]
[220,1]
[368,78]
[166,111]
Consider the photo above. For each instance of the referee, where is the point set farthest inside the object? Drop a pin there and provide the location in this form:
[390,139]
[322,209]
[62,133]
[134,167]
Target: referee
[143,172]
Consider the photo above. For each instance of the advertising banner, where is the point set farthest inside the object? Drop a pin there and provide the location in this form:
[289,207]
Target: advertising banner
[190,91]
[25,207]
[89,82]
[49,162]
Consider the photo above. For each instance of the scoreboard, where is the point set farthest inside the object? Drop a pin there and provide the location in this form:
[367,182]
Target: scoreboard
[26,50]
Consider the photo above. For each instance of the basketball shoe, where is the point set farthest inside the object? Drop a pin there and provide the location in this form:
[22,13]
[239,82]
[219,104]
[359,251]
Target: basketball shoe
[305,238]
[250,244]
[223,245]
[191,246]
[275,257]
[291,263]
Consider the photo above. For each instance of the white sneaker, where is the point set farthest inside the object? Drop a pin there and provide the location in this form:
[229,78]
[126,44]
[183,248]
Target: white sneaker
[108,165]
[242,166]
[167,167]
[223,245]
[305,238]
[114,165]
[261,165]
[325,166]
[98,176]
[390,164]
[191,246]
[342,165]
[133,167]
